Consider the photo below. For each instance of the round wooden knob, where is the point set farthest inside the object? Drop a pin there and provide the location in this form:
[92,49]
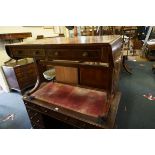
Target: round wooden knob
[85,54]
[56,53]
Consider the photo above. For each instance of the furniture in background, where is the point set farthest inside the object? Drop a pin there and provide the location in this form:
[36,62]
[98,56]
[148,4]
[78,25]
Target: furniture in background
[150,50]
[128,34]
[98,30]
[15,36]
[12,37]
[20,75]
[87,95]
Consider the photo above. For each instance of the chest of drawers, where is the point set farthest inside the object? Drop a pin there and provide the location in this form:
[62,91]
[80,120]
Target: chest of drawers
[20,77]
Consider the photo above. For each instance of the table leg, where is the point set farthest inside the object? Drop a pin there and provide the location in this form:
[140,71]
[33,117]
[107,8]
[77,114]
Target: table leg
[125,66]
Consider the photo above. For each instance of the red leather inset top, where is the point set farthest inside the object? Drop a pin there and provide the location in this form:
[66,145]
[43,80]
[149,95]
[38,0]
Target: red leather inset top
[82,100]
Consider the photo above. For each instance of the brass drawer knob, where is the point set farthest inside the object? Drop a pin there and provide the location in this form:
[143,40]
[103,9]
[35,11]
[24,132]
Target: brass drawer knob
[56,109]
[45,111]
[56,53]
[85,54]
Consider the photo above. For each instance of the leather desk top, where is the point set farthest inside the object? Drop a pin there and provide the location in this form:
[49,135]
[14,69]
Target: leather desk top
[82,100]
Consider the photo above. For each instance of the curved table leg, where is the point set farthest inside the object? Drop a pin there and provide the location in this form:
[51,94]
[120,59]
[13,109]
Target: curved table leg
[37,85]
[40,78]
[125,66]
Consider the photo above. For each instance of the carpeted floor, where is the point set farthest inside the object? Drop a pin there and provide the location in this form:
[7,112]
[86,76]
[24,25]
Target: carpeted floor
[135,111]
[13,114]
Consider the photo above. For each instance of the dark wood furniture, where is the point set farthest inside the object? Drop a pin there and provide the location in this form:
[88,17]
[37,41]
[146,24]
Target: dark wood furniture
[11,37]
[20,76]
[91,100]
[125,66]
[15,36]
[150,46]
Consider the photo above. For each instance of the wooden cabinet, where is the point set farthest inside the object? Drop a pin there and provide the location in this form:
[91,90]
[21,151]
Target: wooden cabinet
[20,77]
[95,77]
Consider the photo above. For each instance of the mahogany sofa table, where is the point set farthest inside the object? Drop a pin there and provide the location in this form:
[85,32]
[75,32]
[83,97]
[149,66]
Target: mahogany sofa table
[91,98]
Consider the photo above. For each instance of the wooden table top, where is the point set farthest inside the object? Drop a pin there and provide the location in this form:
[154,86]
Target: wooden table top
[109,39]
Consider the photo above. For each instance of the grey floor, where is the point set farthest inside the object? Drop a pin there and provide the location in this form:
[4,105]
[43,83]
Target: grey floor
[135,111]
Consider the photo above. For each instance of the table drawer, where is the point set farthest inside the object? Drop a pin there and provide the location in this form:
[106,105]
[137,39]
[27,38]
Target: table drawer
[28,52]
[74,54]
